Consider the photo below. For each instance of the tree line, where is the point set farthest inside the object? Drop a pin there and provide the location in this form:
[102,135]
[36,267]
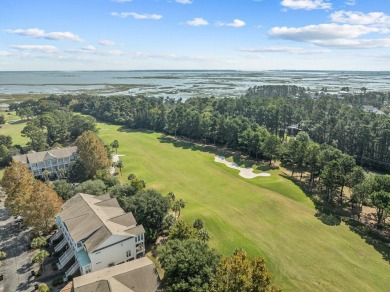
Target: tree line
[330,171]
[229,121]
[328,120]
[380,100]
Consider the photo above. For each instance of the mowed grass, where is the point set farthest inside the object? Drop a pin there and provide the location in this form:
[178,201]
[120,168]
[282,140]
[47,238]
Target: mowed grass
[270,216]
[13,128]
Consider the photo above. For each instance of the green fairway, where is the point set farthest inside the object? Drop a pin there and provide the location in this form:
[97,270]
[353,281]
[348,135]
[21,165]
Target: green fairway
[13,127]
[267,216]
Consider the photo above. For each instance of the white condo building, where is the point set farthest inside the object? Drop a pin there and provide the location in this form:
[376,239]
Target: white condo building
[96,233]
[53,160]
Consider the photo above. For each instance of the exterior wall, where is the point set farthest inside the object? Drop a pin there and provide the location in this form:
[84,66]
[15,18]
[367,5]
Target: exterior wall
[52,165]
[113,254]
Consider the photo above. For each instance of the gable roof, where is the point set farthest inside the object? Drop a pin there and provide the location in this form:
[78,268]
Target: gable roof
[95,218]
[127,218]
[35,157]
[133,276]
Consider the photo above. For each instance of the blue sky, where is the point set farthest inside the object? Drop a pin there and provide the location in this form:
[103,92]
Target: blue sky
[194,34]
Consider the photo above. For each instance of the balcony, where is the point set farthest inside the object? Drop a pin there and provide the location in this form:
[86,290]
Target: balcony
[61,245]
[73,269]
[66,257]
[55,236]
[140,248]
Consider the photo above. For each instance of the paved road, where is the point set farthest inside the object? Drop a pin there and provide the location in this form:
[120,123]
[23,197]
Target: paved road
[17,267]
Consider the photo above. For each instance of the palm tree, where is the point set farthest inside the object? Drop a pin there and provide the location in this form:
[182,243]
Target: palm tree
[198,224]
[40,257]
[115,145]
[3,255]
[38,242]
[61,173]
[43,288]
[203,235]
[119,164]
[171,197]
[131,176]
[46,174]
[177,206]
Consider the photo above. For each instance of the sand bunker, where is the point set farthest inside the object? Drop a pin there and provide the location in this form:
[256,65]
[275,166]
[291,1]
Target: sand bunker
[115,159]
[244,172]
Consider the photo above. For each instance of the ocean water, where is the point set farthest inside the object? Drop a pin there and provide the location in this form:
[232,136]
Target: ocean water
[182,84]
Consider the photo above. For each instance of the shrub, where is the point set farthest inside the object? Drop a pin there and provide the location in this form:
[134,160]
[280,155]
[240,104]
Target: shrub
[57,281]
[54,267]
[43,288]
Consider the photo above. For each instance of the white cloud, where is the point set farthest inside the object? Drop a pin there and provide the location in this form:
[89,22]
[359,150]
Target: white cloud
[330,31]
[333,35]
[37,48]
[351,2]
[136,15]
[4,53]
[94,51]
[197,22]
[40,33]
[107,43]
[184,1]
[355,43]
[290,50]
[234,23]
[306,4]
[89,49]
[355,17]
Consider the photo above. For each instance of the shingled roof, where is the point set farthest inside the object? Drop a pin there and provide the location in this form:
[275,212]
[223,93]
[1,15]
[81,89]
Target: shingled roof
[95,218]
[138,275]
[36,157]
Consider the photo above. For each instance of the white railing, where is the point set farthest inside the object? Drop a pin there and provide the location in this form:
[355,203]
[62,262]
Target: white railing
[64,259]
[140,248]
[72,269]
[55,236]
[60,246]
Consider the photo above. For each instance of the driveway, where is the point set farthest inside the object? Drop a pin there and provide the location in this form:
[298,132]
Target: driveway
[16,267]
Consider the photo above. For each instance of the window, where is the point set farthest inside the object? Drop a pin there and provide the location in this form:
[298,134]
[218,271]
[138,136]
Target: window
[142,236]
[128,253]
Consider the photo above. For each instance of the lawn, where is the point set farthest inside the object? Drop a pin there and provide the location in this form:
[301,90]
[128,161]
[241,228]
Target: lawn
[13,127]
[267,216]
